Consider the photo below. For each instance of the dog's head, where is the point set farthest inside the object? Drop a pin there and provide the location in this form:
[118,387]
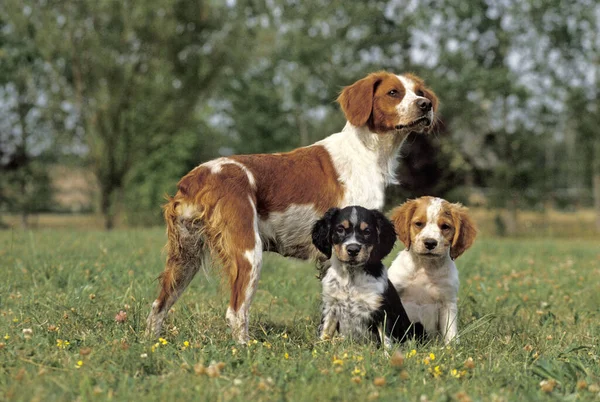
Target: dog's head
[433,227]
[356,235]
[387,102]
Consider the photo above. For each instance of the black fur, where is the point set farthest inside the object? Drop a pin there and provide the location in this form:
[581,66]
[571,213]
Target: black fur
[370,230]
[386,236]
[321,233]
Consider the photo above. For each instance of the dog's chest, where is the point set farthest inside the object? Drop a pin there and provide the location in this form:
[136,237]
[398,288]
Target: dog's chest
[353,300]
[419,288]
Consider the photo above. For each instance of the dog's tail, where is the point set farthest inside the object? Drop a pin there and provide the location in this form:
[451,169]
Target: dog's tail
[185,248]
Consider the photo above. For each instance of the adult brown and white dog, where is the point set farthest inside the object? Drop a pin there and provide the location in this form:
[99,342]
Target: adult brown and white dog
[233,208]
[435,233]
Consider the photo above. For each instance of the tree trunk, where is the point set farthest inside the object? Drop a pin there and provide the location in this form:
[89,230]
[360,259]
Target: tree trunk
[106,207]
[511,217]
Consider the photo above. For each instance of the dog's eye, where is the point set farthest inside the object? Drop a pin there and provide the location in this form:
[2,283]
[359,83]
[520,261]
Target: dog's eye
[340,230]
[420,93]
[446,227]
[419,224]
[393,93]
[367,231]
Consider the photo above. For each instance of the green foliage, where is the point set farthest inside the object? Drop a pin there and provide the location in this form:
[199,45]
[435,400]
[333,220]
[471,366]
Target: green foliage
[527,311]
[129,83]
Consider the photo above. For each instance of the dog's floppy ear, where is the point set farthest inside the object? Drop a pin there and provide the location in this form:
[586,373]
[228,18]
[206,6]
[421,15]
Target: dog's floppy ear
[356,100]
[465,230]
[321,233]
[386,236]
[401,217]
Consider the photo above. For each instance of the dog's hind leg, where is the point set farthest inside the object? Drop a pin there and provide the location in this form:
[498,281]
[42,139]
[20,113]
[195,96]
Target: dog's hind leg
[186,254]
[243,263]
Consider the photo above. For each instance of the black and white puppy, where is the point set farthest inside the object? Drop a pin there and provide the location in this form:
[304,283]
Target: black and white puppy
[359,301]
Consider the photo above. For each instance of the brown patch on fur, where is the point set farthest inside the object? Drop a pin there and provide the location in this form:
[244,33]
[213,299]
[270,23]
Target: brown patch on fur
[401,218]
[345,224]
[303,176]
[366,101]
[465,230]
[363,225]
[445,218]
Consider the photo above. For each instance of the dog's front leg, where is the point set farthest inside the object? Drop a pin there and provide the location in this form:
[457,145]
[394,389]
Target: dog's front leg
[329,323]
[448,324]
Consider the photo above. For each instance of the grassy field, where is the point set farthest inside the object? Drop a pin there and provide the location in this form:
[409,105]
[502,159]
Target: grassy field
[529,320]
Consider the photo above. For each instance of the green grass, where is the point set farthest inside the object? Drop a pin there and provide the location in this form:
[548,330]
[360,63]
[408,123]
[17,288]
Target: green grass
[529,311]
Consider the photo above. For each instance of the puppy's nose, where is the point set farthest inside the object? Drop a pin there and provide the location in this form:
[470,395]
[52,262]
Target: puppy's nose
[430,243]
[424,104]
[353,249]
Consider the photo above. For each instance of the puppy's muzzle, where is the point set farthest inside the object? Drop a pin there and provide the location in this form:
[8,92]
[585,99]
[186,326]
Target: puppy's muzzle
[430,244]
[353,249]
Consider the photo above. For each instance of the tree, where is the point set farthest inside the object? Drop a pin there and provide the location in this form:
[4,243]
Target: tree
[27,140]
[135,73]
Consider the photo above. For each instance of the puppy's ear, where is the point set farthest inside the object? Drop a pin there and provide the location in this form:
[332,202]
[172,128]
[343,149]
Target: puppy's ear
[356,100]
[321,233]
[401,217]
[465,230]
[386,236]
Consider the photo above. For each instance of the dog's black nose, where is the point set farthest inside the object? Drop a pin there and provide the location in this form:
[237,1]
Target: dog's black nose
[424,104]
[353,249]
[430,244]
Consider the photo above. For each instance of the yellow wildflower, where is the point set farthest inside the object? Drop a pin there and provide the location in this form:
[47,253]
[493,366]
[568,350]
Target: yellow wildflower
[186,344]
[267,345]
[337,362]
[62,344]
[411,353]
[79,364]
[15,319]
[7,337]
[286,356]
[163,341]
[154,347]
[436,371]
[284,336]
[431,356]
[234,351]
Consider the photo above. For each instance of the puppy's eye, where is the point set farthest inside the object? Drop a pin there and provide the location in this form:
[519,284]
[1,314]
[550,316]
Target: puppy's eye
[393,93]
[420,93]
[340,230]
[446,227]
[419,224]
[367,231]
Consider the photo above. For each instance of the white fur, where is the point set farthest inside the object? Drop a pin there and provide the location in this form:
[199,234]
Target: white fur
[365,162]
[428,285]
[289,232]
[349,301]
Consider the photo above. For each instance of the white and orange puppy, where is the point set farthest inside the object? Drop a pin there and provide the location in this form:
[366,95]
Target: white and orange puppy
[435,233]
[234,208]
